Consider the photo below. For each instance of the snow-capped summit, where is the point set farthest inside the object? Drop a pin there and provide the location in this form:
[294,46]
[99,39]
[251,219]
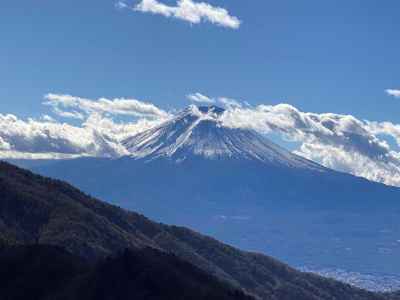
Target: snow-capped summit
[198,131]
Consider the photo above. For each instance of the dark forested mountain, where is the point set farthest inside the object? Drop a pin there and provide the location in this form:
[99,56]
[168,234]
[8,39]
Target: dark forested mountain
[48,272]
[239,187]
[40,211]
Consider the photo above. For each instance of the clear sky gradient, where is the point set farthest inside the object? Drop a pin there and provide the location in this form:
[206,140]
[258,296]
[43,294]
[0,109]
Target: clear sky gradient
[320,56]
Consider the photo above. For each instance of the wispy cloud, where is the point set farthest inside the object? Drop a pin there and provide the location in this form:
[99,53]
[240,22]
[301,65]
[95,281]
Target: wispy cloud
[393,92]
[229,102]
[121,5]
[119,106]
[67,114]
[200,98]
[190,11]
[223,101]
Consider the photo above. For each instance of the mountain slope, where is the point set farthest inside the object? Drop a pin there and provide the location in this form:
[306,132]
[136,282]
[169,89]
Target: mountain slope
[197,131]
[239,187]
[35,272]
[284,211]
[47,272]
[38,210]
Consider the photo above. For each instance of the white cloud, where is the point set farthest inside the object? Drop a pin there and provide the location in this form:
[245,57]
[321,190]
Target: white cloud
[190,11]
[43,136]
[68,114]
[394,93]
[200,98]
[340,142]
[4,146]
[121,5]
[118,106]
[224,101]
[96,135]
[229,102]
[47,118]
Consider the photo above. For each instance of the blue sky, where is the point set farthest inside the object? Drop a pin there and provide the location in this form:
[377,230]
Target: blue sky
[302,59]
[320,56]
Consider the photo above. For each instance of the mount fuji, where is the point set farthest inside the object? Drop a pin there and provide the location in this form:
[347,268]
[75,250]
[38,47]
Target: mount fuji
[243,189]
[198,132]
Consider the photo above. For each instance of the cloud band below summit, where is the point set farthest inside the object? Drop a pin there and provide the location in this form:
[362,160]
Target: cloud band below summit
[85,127]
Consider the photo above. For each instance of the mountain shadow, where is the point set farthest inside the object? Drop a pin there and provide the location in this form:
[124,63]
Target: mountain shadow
[48,272]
